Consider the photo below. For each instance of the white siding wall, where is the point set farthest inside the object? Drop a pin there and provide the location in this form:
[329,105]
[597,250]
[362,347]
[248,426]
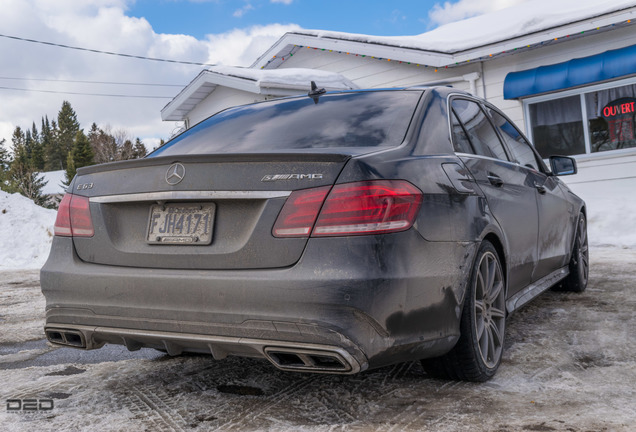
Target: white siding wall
[372,73]
[604,168]
[219,99]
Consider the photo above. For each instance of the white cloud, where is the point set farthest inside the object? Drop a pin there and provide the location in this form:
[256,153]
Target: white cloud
[104,25]
[242,47]
[286,2]
[242,11]
[451,12]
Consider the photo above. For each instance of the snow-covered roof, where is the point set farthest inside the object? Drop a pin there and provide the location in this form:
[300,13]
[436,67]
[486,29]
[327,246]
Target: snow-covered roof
[503,31]
[275,82]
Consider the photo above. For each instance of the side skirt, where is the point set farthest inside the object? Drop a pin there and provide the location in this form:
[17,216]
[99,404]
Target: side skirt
[534,289]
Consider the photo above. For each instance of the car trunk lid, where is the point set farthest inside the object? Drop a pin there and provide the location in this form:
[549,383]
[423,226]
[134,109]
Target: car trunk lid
[197,212]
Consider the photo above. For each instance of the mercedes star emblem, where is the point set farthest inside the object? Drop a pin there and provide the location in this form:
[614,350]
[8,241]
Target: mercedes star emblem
[175,174]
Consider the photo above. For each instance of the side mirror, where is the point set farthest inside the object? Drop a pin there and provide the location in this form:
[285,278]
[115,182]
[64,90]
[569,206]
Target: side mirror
[562,165]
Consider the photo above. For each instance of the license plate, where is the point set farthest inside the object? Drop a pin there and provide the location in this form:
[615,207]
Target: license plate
[184,224]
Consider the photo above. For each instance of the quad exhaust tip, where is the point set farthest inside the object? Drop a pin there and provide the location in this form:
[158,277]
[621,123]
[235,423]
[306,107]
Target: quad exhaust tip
[66,337]
[307,360]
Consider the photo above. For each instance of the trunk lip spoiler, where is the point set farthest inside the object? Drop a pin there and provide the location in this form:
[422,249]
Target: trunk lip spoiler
[188,196]
[314,156]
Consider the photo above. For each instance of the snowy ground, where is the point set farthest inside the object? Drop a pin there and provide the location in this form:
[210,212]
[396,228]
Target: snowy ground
[570,365]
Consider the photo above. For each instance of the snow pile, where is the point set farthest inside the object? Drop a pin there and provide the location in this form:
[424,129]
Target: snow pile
[294,77]
[611,211]
[26,232]
[520,20]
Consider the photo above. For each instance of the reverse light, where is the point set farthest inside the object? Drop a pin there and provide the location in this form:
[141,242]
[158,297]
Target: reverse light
[74,217]
[370,207]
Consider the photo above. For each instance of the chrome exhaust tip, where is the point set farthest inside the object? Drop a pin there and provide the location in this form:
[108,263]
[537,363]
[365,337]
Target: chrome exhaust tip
[308,360]
[66,337]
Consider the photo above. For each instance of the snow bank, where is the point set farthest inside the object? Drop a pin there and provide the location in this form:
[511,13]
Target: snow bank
[26,232]
[611,211]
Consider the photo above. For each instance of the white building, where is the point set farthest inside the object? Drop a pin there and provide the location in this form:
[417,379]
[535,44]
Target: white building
[563,70]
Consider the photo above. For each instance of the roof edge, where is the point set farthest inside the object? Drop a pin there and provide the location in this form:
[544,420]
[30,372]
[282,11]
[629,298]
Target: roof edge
[373,47]
[208,80]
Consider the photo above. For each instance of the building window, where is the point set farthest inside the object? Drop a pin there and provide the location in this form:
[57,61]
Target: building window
[610,116]
[557,127]
[588,120]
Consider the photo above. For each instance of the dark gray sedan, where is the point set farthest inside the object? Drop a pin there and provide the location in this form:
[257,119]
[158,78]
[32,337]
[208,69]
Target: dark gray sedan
[333,232]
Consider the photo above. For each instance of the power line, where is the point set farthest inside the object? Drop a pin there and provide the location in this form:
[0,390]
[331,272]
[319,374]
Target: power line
[87,94]
[92,82]
[104,52]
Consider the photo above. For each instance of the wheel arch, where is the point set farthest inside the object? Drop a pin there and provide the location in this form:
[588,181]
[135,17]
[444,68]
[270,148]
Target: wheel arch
[498,245]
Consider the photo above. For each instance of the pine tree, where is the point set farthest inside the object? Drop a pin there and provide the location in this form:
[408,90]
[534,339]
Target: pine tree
[37,152]
[46,141]
[23,178]
[28,144]
[70,169]
[103,144]
[81,155]
[126,151]
[139,150]
[82,151]
[67,126]
[18,139]
[5,164]
[55,155]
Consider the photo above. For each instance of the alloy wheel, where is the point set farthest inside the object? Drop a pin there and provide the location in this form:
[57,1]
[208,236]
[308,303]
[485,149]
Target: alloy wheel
[490,312]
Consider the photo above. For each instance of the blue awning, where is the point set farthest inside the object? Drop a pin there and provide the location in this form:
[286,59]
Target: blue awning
[597,68]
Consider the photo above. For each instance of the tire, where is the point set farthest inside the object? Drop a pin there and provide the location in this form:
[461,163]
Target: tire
[479,350]
[579,265]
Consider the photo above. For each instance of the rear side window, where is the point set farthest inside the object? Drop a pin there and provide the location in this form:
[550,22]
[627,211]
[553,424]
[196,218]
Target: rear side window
[364,119]
[518,146]
[461,142]
[478,128]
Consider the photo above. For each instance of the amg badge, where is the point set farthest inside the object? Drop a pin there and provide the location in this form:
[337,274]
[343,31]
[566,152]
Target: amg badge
[275,177]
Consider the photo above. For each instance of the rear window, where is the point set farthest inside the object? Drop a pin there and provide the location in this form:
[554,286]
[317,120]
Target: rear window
[365,119]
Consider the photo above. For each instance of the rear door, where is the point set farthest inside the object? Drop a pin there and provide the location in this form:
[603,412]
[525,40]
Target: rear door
[555,226]
[508,187]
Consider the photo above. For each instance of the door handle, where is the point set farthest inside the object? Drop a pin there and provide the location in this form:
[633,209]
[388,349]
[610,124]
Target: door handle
[542,190]
[495,180]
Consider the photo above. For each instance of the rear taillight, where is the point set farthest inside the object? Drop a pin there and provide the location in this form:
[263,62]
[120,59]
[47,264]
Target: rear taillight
[370,207]
[74,217]
[299,213]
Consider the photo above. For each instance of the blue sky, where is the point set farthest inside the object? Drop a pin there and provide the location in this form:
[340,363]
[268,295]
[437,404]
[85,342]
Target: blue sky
[198,18]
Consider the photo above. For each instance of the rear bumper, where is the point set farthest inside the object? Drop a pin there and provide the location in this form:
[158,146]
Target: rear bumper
[363,301]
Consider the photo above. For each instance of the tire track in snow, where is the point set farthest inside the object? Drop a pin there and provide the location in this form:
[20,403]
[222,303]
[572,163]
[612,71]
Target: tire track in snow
[162,414]
[247,416]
